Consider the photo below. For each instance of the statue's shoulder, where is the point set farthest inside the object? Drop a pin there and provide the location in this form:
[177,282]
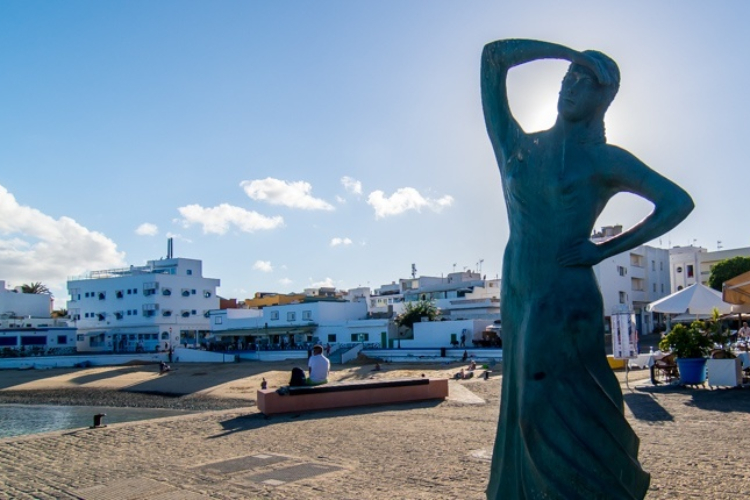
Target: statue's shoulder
[615,155]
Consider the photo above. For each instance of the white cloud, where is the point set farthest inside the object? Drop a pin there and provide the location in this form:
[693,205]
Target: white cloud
[263,265]
[404,199]
[37,247]
[178,236]
[147,229]
[218,219]
[351,185]
[340,200]
[285,281]
[340,241]
[288,194]
[328,282]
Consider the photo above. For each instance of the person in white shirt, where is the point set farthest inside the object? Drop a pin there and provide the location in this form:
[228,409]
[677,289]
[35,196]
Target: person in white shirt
[318,367]
[744,332]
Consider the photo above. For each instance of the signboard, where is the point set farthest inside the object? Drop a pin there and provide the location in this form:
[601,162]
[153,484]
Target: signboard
[624,336]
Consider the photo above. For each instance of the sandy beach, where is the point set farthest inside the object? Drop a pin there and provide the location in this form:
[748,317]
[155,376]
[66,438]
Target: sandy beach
[692,440]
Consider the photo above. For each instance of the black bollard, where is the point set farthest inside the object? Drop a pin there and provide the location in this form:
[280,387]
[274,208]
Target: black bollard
[98,420]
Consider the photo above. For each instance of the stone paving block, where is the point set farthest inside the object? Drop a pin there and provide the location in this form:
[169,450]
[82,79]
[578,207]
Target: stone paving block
[285,475]
[241,464]
[125,489]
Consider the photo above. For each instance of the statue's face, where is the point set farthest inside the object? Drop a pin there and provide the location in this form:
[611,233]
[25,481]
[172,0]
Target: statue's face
[581,95]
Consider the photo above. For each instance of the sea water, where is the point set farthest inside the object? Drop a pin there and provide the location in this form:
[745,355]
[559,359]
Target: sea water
[19,420]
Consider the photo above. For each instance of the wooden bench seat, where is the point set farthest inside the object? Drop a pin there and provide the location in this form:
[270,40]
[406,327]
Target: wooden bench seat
[345,395]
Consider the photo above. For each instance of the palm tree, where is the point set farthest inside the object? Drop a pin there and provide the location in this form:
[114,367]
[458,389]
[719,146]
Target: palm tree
[414,312]
[35,287]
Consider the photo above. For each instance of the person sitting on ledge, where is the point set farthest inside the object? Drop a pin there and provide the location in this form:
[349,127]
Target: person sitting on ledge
[318,366]
[164,368]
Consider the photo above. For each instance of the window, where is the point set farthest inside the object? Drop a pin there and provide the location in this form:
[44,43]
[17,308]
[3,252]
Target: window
[661,266]
[79,338]
[207,294]
[331,337]
[193,311]
[653,265]
[166,312]
[662,288]
[185,313]
[165,335]
[101,316]
[623,297]
[291,316]
[9,341]
[33,340]
[218,320]
[185,292]
[654,287]
[274,315]
[621,271]
[166,292]
[679,269]
[192,291]
[690,271]
[360,337]
[189,272]
[130,291]
[118,315]
[307,315]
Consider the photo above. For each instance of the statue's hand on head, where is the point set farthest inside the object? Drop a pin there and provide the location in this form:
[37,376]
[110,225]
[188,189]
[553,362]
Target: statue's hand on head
[585,253]
[597,66]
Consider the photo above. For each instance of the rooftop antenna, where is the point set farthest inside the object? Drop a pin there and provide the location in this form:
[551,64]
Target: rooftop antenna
[718,245]
[170,248]
[413,270]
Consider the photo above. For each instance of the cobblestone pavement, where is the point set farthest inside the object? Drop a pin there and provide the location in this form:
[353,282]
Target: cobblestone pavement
[693,442]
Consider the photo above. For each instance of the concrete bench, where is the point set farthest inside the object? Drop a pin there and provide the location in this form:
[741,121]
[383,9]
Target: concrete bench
[346,395]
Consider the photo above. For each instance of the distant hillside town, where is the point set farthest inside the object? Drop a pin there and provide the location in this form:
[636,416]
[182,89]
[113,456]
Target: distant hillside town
[168,303]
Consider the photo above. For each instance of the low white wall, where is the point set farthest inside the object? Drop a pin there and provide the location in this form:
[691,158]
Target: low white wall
[42,362]
[198,356]
[434,355]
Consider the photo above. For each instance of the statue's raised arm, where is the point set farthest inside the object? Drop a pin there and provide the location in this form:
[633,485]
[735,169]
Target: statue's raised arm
[497,58]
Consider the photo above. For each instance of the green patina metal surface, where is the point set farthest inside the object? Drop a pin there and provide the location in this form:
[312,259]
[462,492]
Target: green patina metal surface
[562,433]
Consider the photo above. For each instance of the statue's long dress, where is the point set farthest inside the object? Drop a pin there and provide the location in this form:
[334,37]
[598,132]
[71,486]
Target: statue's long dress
[562,433]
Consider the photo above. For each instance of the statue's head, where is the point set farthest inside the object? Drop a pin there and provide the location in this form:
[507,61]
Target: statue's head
[582,96]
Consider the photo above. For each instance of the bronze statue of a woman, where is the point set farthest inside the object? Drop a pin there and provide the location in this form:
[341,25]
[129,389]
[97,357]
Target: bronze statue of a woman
[562,432]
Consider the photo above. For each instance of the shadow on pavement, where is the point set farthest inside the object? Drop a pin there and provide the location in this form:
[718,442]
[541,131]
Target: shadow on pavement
[255,421]
[730,399]
[93,377]
[645,407]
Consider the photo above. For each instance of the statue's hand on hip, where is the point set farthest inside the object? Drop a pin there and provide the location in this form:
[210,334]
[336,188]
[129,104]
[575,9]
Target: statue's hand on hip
[585,253]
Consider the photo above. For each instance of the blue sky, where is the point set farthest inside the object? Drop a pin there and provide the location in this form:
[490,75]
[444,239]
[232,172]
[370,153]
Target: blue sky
[291,144]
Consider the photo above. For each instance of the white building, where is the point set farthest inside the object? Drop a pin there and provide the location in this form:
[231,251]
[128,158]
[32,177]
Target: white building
[630,280]
[690,264]
[445,333]
[460,295]
[157,306]
[19,304]
[296,326]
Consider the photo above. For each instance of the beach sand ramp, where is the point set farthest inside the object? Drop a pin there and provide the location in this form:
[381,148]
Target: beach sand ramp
[136,489]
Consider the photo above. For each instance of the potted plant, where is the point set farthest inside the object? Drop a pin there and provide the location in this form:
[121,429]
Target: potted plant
[723,366]
[691,344]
